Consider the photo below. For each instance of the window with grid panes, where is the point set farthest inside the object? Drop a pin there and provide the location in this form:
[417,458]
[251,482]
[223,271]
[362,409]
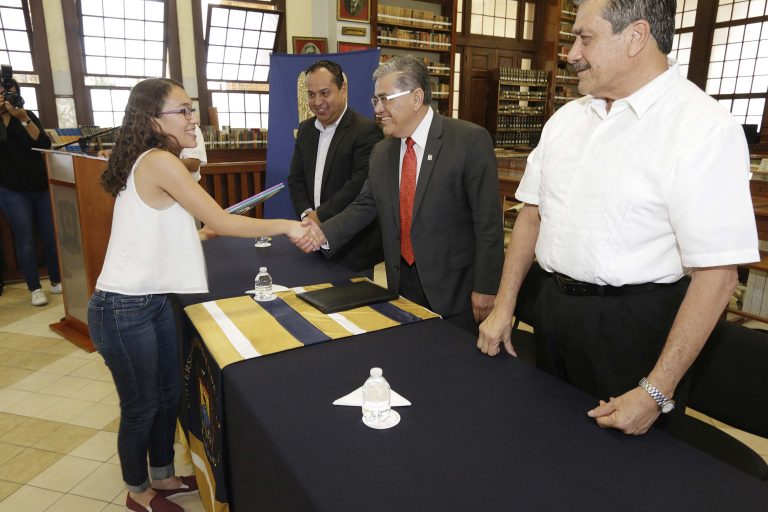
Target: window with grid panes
[16,50]
[124,42]
[239,41]
[685,17]
[529,14]
[502,18]
[492,18]
[738,66]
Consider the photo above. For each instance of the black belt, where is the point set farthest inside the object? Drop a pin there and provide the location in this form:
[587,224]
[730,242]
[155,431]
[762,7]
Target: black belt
[571,286]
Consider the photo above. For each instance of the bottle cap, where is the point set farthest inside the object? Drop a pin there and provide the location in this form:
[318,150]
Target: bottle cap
[376,372]
[262,269]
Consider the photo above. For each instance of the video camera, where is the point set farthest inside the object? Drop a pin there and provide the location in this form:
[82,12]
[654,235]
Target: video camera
[7,82]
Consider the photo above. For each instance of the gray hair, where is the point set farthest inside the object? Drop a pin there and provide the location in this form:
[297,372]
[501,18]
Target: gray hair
[411,74]
[660,15]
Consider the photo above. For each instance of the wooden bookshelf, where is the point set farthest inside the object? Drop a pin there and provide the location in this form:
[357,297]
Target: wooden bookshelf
[424,29]
[558,38]
[518,107]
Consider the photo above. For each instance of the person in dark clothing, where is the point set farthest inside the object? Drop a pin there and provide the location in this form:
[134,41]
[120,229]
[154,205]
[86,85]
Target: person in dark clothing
[24,197]
[330,162]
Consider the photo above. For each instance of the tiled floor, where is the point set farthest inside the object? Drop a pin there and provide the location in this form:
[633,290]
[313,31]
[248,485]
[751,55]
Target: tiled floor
[59,414]
[58,418]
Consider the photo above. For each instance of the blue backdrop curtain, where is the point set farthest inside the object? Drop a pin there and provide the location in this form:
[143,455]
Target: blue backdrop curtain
[284,114]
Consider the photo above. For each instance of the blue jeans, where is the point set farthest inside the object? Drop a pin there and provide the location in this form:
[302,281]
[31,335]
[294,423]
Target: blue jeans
[23,210]
[136,336]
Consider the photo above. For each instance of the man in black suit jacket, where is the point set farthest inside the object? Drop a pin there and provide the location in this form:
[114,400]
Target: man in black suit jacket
[456,233]
[330,161]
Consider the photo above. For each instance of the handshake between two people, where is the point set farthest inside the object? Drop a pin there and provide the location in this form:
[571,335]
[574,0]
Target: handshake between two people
[308,237]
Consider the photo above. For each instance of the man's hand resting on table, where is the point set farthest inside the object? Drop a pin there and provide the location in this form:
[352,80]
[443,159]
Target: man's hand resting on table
[632,413]
[495,330]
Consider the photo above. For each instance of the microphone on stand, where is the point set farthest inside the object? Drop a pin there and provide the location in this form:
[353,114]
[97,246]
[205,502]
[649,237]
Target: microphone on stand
[86,139]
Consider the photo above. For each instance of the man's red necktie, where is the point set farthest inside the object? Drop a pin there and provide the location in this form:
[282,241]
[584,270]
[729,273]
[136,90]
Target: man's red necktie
[407,193]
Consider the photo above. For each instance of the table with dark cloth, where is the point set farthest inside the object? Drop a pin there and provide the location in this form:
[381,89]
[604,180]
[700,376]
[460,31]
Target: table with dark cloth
[483,434]
[232,265]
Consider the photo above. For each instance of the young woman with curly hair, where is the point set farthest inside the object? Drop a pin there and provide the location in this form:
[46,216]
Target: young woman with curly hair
[155,250]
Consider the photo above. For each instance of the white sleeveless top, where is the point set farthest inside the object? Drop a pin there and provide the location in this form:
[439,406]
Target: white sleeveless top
[151,251]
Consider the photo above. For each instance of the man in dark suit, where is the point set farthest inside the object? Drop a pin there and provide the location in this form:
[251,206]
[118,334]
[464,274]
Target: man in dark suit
[330,161]
[433,183]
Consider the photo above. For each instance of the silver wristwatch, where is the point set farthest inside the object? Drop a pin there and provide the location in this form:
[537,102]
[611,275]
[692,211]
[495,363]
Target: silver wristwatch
[665,404]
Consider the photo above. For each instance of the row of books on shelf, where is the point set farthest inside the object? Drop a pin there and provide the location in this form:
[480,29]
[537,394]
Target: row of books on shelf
[527,76]
[569,7]
[508,159]
[435,68]
[413,38]
[232,138]
[525,123]
[517,139]
[523,95]
[566,74]
[413,17]
[440,90]
[512,109]
[438,69]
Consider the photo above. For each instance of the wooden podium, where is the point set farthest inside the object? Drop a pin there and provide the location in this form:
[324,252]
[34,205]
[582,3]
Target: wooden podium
[82,213]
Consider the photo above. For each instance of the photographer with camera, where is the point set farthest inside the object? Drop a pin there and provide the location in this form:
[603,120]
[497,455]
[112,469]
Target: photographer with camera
[24,196]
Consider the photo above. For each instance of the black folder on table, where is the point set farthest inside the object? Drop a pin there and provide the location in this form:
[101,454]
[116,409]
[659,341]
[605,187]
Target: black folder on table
[347,296]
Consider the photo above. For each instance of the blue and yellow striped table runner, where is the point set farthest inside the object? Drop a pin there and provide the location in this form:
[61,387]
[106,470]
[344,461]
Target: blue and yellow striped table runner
[240,328]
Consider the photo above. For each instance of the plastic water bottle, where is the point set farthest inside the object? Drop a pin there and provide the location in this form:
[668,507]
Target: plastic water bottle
[263,286]
[376,396]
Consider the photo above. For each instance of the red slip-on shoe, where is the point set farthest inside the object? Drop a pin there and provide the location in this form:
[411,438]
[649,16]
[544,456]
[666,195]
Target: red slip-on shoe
[158,504]
[188,486]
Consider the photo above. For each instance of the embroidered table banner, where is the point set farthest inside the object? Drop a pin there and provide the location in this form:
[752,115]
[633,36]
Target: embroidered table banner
[240,328]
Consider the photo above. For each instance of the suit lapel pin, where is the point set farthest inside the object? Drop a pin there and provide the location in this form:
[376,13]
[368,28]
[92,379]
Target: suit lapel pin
[429,157]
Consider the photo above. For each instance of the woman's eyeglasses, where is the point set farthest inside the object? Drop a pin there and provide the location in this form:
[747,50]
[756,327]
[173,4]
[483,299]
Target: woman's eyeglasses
[186,111]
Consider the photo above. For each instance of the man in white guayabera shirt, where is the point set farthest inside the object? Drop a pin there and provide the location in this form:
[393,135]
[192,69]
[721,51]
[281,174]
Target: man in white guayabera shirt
[619,212]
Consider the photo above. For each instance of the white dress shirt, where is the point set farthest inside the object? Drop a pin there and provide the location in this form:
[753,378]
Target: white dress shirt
[197,152]
[419,137]
[326,135]
[641,193]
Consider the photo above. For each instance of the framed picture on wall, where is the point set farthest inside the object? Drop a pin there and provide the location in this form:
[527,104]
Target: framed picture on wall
[354,10]
[344,47]
[308,45]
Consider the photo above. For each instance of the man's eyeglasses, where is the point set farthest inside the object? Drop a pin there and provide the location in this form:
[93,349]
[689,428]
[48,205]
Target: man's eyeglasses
[386,99]
[186,111]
